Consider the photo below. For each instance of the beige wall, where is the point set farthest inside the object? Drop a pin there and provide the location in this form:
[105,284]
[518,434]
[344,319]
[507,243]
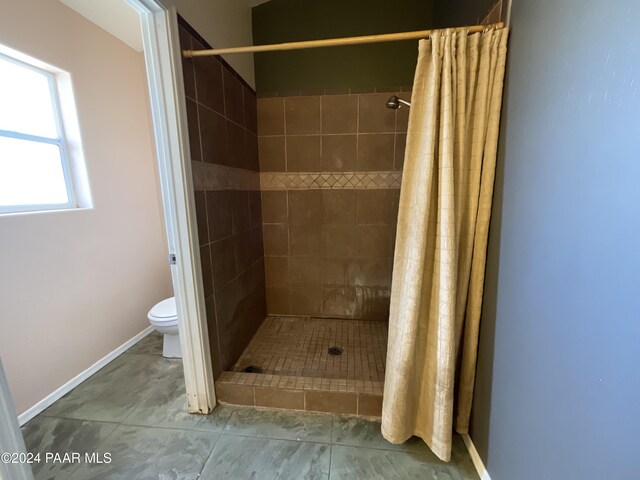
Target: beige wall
[75,285]
[222,23]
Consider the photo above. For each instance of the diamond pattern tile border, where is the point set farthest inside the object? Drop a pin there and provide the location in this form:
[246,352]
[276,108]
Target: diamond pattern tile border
[209,176]
[330,180]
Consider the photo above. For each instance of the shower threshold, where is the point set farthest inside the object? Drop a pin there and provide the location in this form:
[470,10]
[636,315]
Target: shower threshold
[301,370]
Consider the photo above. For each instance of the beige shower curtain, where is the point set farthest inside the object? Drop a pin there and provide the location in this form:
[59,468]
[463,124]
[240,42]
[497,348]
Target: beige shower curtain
[443,220]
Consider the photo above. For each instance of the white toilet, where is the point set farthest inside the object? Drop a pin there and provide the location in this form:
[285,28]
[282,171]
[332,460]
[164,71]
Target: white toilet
[164,317]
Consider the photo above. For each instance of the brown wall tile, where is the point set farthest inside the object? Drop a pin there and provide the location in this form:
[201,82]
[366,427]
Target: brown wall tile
[339,241]
[398,157]
[205,265]
[201,216]
[271,116]
[271,154]
[276,271]
[233,273]
[241,217]
[223,261]
[304,271]
[370,272]
[335,402]
[375,152]
[306,300]
[305,207]
[251,148]
[276,239]
[338,207]
[335,271]
[374,241]
[303,153]
[233,101]
[376,207]
[278,300]
[219,214]
[274,207]
[304,240]
[250,110]
[255,209]
[194,130]
[302,115]
[373,114]
[339,301]
[236,146]
[339,153]
[212,328]
[247,251]
[339,114]
[279,398]
[213,135]
[208,79]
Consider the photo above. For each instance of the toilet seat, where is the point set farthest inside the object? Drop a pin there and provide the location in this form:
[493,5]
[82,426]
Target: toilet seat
[164,318]
[164,312]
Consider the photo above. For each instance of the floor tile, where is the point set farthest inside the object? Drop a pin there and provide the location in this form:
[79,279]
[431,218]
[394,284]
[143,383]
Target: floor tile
[372,464]
[150,345]
[142,453]
[299,346]
[236,458]
[358,432]
[112,393]
[60,435]
[166,406]
[160,440]
[280,424]
[460,456]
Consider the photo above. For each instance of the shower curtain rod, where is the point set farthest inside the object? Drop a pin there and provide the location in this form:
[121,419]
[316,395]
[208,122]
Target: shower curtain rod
[334,42]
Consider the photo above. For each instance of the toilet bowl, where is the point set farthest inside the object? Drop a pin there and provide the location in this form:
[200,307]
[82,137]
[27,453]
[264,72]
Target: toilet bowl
[164,318]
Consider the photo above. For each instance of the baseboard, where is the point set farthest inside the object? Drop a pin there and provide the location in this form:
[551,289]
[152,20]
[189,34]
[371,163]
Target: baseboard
[475,458]
[81,377]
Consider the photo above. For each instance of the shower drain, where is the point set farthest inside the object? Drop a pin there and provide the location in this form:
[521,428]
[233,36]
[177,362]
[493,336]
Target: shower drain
[252,369]
[335,351]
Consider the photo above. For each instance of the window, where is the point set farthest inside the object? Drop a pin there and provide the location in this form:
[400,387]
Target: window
[34,165]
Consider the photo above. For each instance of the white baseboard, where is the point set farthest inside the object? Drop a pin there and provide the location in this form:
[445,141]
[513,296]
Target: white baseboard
[81,377]
[475,458]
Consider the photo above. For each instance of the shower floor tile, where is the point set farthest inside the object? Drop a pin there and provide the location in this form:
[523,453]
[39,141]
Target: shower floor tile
[299,346]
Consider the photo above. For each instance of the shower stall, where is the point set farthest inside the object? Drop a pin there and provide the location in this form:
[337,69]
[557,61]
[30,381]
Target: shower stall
[296,197]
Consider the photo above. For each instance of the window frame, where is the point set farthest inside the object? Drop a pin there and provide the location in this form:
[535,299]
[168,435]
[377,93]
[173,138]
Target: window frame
[60,142]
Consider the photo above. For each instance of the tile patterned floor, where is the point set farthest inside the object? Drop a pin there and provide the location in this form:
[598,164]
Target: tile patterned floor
[298,346]
[134,408]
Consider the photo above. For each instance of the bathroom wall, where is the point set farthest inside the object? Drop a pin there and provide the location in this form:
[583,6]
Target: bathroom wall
[75,285]
[221,115]
[331,165]
[222,23]
[456,13]
[355,66]
[558,380]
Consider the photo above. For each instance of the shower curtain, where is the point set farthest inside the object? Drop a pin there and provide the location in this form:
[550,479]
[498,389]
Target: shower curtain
[443,221]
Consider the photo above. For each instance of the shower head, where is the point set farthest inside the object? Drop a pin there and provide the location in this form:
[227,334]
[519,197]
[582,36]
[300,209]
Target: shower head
[395,102]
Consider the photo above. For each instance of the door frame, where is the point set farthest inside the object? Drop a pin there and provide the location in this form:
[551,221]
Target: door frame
[11,440]
[163,59]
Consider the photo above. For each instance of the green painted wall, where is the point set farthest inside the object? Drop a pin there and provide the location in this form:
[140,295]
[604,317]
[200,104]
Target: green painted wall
[355,66]
[455,13]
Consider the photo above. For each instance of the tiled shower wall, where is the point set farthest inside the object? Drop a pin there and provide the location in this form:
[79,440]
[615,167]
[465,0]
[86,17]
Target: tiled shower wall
[330,176]
[221,115]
